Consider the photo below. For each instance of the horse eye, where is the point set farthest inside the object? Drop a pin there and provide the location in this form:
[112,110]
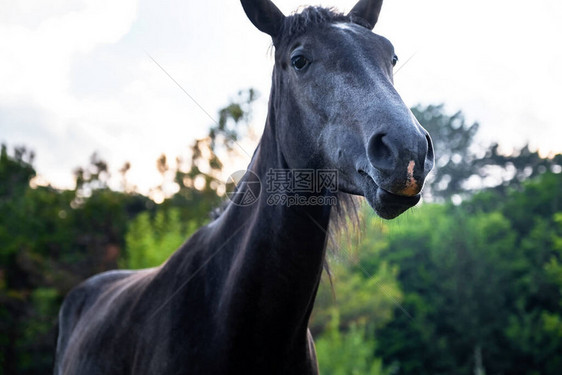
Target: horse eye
[299,62]
[394,60]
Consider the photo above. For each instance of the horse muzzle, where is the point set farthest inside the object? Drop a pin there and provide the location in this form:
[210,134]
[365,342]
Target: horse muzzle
[397,166]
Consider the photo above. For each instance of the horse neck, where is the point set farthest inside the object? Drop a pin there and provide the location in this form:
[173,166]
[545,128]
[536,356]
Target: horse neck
[277,261]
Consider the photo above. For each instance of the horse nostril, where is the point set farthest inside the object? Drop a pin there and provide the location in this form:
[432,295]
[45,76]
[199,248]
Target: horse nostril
[429,156]
[380,153]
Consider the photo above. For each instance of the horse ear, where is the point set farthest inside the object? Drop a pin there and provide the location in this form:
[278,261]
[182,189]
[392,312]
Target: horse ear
[367,10]
[264,15]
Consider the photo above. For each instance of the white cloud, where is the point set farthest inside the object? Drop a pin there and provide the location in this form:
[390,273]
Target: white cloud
[35,61]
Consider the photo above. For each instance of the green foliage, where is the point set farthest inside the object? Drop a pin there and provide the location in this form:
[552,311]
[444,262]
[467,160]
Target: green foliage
[364,295]
[150,241]
[15,171]
[361,293]
[34,342]
[480,287]
[50,241]
[347,353]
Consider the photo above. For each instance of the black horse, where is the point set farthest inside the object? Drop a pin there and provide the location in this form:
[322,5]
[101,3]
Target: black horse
[237,296]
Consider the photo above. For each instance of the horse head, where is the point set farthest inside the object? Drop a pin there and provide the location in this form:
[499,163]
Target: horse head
[333,103]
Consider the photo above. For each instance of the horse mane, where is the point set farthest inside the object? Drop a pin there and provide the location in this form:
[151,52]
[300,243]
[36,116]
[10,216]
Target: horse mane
[344,218]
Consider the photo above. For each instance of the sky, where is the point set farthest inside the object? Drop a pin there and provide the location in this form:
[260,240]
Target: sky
[76,76]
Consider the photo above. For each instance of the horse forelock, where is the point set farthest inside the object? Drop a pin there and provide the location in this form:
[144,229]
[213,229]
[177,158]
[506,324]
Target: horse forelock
[310,17]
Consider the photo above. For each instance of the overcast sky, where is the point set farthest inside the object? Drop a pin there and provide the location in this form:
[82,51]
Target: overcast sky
[75,76]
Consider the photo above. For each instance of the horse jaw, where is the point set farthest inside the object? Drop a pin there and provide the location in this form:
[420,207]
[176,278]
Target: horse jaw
[385,204]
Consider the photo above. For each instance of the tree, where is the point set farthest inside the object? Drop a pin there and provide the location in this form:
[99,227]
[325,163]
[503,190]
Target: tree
[94,176]
[200,179]
[481,285]
[51,240]
[362,288]
[463,167]
[454,149]
[520,166]
[150,241]
[15,172]
[349,352]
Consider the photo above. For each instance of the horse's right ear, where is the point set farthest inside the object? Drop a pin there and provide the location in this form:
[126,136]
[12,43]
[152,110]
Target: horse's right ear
[368,10]
[264,15]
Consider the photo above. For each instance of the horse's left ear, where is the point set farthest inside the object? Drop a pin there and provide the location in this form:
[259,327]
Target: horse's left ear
[264,15]
[367,10]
